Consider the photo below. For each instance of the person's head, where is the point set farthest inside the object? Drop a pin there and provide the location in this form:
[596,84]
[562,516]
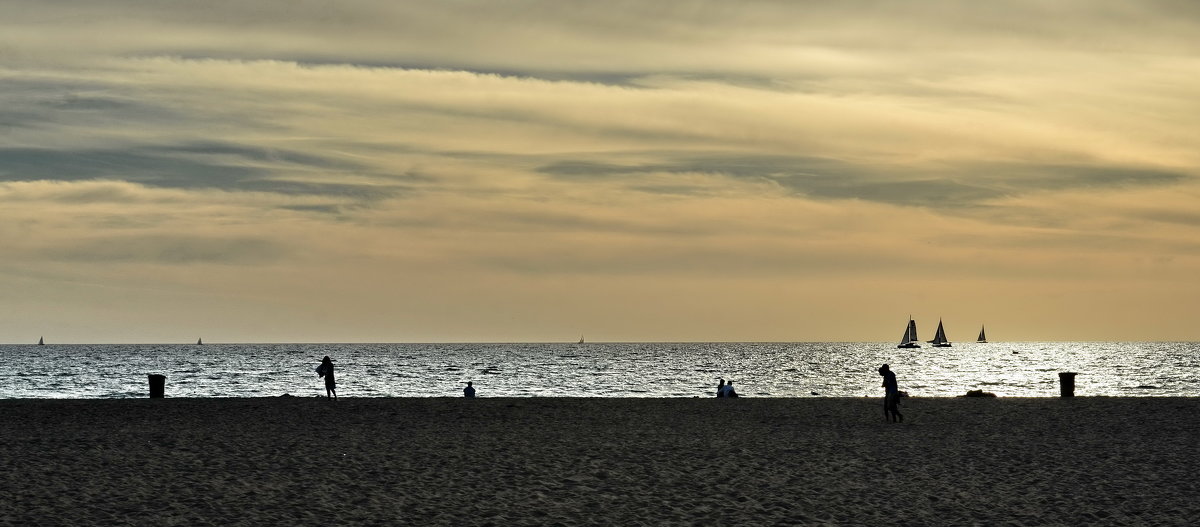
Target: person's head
[883,369]
[730,383]
[469,384]
[722,382]
[326,360]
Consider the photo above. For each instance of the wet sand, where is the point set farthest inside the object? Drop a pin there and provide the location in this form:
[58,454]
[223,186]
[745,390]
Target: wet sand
[546,461]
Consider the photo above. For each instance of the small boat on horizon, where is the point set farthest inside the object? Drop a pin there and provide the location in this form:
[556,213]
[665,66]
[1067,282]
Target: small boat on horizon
[200,342]
[910,340]
[580,339]
[939,338]
[982,337]
[41,341]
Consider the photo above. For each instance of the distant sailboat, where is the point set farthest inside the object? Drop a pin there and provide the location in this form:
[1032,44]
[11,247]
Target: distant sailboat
[581,339]
[199,342]
[982,337]
[41,342]
[939,338]
[910,339]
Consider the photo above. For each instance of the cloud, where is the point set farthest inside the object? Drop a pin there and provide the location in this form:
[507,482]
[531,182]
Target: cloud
[431,161]
[122,223]
[760,37]
[946,187]
[173,250]
[208,165]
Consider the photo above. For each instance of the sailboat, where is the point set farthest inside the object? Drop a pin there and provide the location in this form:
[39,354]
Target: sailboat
[41,341]
[581,339]
[199,342]
[939,338]
[909,340]
[982,338]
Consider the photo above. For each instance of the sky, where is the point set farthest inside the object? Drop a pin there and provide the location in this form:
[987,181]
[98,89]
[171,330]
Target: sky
[461,171]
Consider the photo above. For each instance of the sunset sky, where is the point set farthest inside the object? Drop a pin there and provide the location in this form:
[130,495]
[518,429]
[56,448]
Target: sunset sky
[393,171]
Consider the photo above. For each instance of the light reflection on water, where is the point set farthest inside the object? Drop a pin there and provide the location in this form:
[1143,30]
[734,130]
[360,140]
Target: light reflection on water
[599,370]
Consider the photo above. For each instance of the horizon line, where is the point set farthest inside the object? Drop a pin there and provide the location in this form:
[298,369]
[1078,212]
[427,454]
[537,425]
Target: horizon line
[574,343]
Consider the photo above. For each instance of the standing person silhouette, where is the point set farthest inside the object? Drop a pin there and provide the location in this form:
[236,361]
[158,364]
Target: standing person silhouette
[891,395]
[326,370]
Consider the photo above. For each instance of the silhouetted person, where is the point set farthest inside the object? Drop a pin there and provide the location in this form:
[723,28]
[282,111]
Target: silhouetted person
[469,391]
[721,388]
[729,390]
[326,370]
[891,395]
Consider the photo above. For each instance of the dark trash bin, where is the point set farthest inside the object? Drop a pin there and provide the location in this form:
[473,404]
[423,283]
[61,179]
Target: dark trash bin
[158,384]
[1066,381]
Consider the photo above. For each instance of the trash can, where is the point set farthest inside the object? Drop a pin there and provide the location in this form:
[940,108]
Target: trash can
[158,384]
[1066,381]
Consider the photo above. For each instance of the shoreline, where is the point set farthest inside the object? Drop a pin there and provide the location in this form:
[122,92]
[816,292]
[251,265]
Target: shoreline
[879,398]
[579,461]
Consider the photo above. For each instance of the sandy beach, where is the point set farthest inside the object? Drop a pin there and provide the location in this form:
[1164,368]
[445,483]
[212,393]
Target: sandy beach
[550,461]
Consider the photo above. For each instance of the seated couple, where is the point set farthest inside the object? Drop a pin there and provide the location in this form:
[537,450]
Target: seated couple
[726,390]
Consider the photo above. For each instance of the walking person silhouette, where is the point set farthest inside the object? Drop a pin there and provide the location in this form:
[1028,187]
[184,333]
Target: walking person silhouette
[891,395]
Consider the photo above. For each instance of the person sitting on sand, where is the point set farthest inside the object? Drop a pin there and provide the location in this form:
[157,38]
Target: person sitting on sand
[891,395]
[729,390]
[721,388]
[326,370]
[469,391]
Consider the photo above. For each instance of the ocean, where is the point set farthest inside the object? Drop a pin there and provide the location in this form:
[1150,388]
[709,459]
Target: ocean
[652,369]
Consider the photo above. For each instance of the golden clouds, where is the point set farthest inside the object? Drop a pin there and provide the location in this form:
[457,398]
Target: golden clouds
[670,162]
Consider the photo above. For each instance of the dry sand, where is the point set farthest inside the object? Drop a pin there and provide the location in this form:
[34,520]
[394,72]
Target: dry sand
[307,461]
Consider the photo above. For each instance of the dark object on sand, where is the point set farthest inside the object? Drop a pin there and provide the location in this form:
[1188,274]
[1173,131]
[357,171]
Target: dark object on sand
[978,393]
[1066,380]
[158,386]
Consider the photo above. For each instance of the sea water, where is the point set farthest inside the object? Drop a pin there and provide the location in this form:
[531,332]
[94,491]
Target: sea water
[1019,369]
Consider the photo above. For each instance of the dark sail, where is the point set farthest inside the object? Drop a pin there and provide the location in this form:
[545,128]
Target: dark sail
[910,336]
[939,338]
